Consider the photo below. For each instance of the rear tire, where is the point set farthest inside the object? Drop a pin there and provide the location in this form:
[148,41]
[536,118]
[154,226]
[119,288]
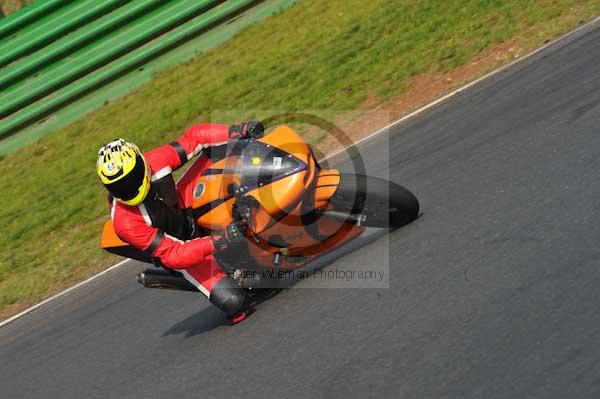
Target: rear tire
[385,204]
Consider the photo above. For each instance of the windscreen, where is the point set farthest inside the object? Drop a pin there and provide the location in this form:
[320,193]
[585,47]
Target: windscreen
[252,164]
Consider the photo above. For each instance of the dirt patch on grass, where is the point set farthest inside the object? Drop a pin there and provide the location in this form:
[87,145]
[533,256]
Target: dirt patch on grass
[374,114]
[422,89]
[11,6]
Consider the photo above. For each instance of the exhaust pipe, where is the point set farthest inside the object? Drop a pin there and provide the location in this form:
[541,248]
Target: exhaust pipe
[165,280]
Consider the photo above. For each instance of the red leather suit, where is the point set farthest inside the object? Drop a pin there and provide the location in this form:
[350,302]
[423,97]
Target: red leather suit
[134,224]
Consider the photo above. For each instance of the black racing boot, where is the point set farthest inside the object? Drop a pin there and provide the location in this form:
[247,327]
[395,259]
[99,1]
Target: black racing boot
[231,299]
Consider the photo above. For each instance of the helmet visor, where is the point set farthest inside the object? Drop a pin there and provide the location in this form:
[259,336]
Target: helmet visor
[128,187]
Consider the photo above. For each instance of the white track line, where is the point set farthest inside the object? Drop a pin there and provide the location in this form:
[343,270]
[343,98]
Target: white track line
[370,136]
[58,295]
[467,86]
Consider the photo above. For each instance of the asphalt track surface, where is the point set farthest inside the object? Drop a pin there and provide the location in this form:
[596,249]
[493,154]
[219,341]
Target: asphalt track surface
[493,291]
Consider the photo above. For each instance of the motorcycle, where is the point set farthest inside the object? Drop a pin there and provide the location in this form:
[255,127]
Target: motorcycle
[294,211]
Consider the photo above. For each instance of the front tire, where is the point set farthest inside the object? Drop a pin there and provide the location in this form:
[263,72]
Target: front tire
[385,204]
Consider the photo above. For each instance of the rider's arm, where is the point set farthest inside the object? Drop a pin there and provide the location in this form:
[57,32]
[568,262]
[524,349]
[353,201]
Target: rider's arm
[177,254]
[201,136]
[170,157]
[173,253]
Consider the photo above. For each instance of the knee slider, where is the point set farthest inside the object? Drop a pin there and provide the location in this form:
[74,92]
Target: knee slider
[228,297]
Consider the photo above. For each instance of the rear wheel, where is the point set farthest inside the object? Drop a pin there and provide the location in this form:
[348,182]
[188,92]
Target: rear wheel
[385,204]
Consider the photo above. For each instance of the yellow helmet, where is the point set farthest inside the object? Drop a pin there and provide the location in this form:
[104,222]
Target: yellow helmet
[123,170]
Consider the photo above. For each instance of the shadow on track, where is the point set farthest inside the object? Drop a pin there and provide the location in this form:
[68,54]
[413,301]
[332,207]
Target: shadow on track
[205,320]
[210,318]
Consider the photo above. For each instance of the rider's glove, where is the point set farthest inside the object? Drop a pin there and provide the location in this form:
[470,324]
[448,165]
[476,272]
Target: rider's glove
[247,130]
[233,234]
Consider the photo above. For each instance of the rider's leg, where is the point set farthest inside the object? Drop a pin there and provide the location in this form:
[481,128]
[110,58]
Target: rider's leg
[222,292]
[208,277]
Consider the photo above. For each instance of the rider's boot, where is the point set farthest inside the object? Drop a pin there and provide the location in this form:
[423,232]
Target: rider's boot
[231,299]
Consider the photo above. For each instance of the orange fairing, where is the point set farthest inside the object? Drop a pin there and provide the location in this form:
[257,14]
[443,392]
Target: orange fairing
[289,141]
[275,204]
[286,139]
[209,193]
[110,239]
[211,185]
[325,187]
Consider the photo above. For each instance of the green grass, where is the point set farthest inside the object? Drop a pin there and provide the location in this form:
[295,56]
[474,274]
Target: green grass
[316,55]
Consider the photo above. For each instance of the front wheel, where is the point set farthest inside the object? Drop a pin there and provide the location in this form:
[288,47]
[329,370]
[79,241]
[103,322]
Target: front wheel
[385,204]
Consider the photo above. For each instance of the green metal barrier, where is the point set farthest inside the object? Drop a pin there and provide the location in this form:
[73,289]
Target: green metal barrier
[83,57]
[112,47]
[28,14]
[75,15]
[135,58]
[79,39]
